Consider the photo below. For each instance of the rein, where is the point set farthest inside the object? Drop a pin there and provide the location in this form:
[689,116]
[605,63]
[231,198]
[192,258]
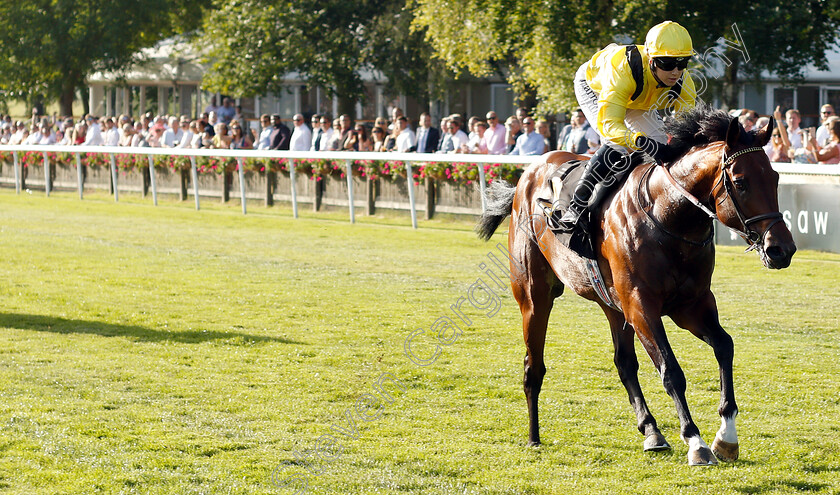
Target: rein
[753,237]
[646,180]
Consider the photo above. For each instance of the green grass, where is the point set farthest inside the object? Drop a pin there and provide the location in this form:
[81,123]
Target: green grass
[164,350]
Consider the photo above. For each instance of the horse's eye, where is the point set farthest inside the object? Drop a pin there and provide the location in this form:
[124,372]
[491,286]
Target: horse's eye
[740,183]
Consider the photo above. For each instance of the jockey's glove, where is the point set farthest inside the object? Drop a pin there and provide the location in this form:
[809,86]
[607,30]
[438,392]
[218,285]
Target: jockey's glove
[659,151]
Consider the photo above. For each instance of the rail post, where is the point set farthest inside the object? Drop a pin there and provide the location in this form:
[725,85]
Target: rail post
[410,178]
[18,172]
[114,177]
[194,171]
[241,163]
[47,174]
[292,176]
[483,186]
[350,190]
[152,178]
[79,175]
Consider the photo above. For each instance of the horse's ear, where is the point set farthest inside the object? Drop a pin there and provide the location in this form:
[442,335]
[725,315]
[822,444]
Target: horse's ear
[732,133]
[762,137]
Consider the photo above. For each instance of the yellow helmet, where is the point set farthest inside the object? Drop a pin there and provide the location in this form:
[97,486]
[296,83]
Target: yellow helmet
[668,39]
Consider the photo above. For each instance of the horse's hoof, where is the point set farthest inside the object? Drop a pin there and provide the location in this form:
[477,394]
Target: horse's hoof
[656,443]
[725,451]
[532,443]
[701,457]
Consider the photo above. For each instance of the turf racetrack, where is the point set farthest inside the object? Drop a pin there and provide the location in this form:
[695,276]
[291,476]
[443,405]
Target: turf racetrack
[164,350]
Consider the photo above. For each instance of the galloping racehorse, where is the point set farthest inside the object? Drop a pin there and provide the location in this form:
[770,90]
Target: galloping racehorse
[656,254]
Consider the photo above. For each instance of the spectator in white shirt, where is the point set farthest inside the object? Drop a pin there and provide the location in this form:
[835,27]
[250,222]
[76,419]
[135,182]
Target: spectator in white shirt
[172,135]
[18,134]
[94,132]
[6,133]
[826,112]
[406,140]
[189,130]
[112,135]
[495,135]
[792,118]
[34,136]
[127,134]
[455,138]
[301,136]
[47,136]
[327,133]
[139,136]
[264,139]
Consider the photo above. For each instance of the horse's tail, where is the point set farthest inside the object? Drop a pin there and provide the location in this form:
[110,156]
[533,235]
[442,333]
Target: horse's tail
[499,202]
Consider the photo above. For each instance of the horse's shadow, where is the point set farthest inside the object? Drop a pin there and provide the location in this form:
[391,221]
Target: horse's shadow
[139,333]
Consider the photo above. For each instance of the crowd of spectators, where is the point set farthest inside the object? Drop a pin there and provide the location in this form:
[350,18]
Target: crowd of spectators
[223,127]
[161,131]
[790,143]
[520,134]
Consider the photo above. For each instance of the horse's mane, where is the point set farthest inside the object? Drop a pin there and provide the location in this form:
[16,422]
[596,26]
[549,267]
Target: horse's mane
[701,125]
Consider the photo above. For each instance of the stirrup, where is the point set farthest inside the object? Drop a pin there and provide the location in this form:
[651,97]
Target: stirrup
[570,220]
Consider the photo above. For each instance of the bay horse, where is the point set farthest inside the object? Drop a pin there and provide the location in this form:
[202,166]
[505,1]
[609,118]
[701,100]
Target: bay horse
[656,253]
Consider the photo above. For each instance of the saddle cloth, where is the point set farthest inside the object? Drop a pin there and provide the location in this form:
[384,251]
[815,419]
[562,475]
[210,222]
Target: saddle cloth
[579,240]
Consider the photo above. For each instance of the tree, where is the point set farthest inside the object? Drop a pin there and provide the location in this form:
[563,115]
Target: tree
[540,45]
[50,46]
[252,45]
[771,36]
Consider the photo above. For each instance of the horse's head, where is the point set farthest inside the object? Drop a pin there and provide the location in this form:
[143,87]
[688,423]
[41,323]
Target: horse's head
[747,200]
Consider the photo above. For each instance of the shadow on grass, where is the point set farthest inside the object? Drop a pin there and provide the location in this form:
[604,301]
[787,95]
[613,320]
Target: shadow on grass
[773,487]
[63,325]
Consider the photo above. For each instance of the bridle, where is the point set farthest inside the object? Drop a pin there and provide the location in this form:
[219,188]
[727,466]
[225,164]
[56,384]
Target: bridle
[751,236]
[754,238]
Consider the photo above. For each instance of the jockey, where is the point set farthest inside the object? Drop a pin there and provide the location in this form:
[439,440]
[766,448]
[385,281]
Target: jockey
[619,90]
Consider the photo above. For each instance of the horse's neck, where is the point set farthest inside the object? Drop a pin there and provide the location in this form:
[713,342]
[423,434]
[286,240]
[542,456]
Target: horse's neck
[696,173]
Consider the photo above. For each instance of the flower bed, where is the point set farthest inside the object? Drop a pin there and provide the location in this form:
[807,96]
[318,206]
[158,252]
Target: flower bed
[315,168]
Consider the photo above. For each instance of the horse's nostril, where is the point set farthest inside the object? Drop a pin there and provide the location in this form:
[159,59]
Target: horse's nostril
[775,252]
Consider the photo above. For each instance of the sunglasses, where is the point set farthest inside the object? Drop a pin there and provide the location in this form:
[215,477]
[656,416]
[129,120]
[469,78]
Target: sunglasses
[670,63]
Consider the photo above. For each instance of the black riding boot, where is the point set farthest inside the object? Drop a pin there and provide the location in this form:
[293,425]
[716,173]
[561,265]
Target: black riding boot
[603,166]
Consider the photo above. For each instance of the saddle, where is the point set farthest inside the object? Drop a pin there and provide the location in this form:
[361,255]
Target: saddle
[562,186]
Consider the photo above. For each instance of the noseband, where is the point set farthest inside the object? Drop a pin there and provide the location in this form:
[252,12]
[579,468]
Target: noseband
[753,237]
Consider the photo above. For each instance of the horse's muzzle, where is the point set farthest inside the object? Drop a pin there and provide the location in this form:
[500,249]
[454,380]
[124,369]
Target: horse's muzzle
[779,249]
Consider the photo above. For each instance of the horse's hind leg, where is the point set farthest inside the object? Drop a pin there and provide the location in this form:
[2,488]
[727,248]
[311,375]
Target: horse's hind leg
[535,287]
[702,320]
[628,371]
[535,303]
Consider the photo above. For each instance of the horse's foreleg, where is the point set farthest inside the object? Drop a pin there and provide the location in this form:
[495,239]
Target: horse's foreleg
[628,371]
[702,320]
[651,333]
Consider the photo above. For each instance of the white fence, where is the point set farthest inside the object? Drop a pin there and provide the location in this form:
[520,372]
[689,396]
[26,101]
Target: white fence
[822,175]
[348,157]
